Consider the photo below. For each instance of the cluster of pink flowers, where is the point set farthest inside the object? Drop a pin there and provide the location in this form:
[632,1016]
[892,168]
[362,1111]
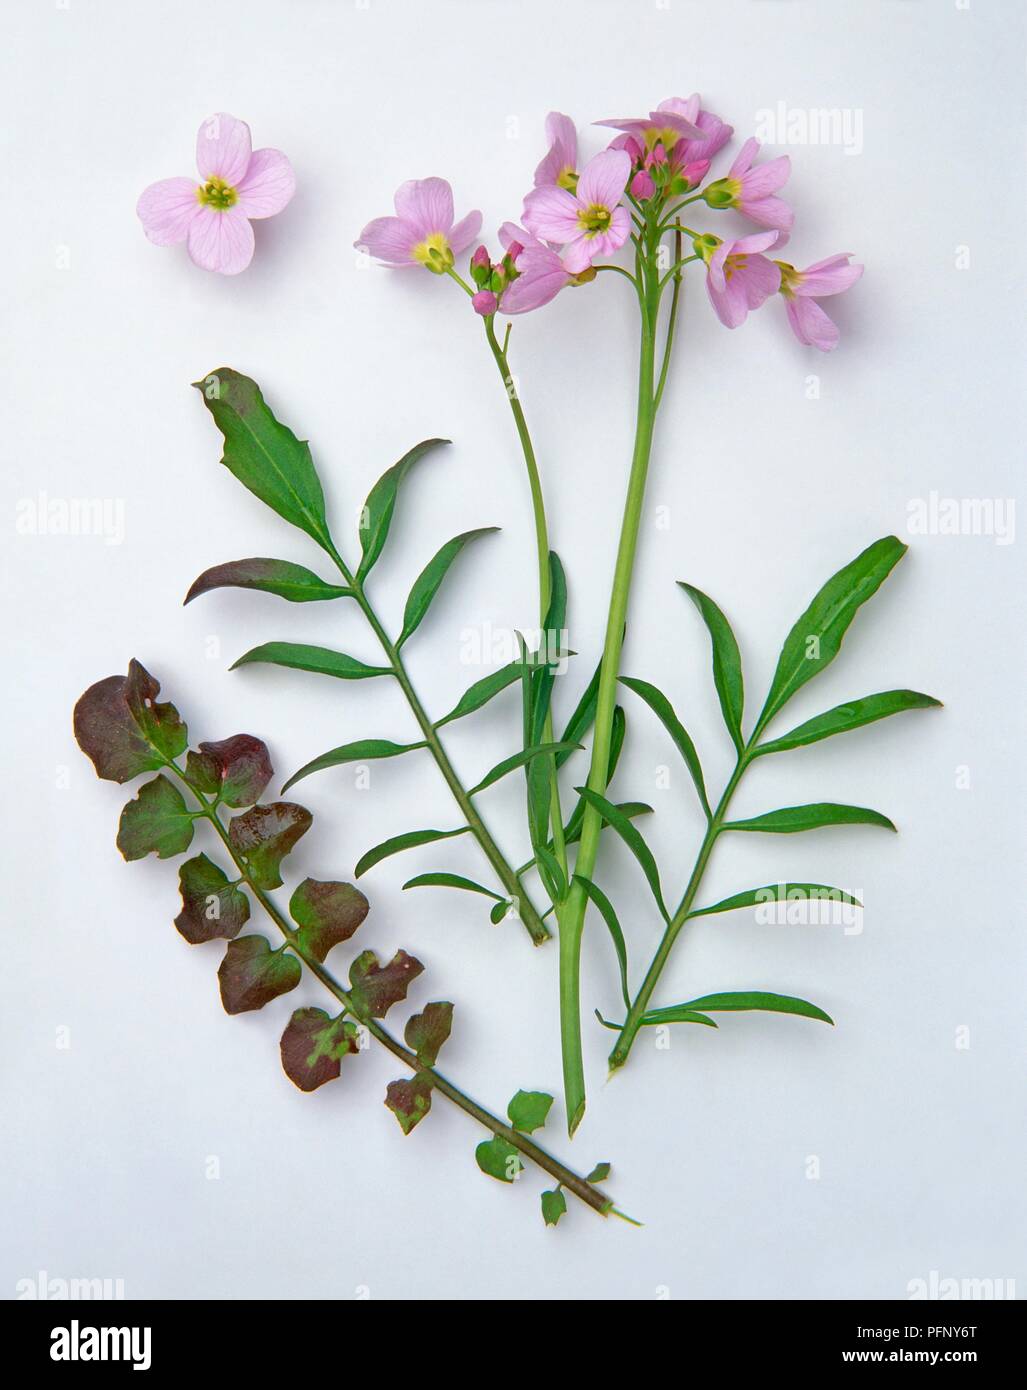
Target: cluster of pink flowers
[572,219]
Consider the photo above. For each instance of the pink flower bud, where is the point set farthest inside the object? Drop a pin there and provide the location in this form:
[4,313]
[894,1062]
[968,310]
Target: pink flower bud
[481,258]
[694,173]
[485,303]
[514,250]
[642,185]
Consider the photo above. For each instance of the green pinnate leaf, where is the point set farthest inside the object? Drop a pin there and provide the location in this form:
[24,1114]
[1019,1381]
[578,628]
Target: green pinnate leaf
[326,913]
[849,716]
[410,839]
[428,582]
[778,893]
[122,728]
[599,1173]
[313,1046]
[791,819]
[211,905]
[252,974]
[816,637]
[322,661]
[554,1204]
[727,663]
[427,1031]
[294,583]
[264,454]
[525,755]
[409,1100]
[743,1001]
[634,841]
[264,835]
[446,880]
[499,1159]
[528,1110]
[361,750]
[157,821]
[375,988]
[376,516]
[613,926]
[235,770]
[482,691]
[664,711]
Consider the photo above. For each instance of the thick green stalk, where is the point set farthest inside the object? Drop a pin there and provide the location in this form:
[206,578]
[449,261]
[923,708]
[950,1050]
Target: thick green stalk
[526,910]
[570,1181]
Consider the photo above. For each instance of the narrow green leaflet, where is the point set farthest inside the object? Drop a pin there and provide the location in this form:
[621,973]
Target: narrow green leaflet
[211,905]
[444,880]
[851,716]
[234,770]
[427,1031]
[410,840]
[252,974]
[517,760]
[326,913]
[499,1159]
[528,1110]
[775,893]
[613,926]
[375,988]
[631,837]
[583,716]
[481,692]
[157,821]
[572,830]
[123,730]
[727,662]
[263,837]
[791,819]
[264,454]
[554,1204]
[295,583]
[376,517]
[313,1046]
[360,751]
[677,1013]
[664,711]
[321,660]
[814,640]
[743,1002]
[409,1100]
[427,583]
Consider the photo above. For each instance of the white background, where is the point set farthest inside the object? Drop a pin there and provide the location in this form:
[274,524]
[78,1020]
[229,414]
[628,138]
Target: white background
[107,1143]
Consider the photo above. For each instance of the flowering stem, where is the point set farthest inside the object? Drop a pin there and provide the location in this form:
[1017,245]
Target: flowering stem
[671,320]
[572,1182]
[536,928]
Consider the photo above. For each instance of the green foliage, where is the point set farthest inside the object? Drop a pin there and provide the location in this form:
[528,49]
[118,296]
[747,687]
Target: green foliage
[409,1099]
[634,841]
[554,1204]
[375,988]
[211,905]
[313,1046]
[157,821]
[791,819]
[664,711]
[426,1032]
[376,517]
[528,1110]
[252,974]
[850,716]
[499,1159]
[263,837]
[123,730]
[410,840]
[298,656]
[727,663]
[428,582]
[234,771]
[295,583]
[326,913]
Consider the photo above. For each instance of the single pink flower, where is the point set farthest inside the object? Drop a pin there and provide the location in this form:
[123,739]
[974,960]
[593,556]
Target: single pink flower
[751,190]
[802,289]
[739,278]
[714,132]
[422,232]
[560,165]
[587,222]
[672,120]
[213,217]
[541,274]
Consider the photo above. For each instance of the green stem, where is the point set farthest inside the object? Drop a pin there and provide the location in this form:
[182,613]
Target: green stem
[672,318]
[536,928]
[582,1189]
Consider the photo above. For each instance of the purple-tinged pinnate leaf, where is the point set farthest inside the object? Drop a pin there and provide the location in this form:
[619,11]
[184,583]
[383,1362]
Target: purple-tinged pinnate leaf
[251,974]
[211,905]
[295,583]
[528,1110]
[122,729]
[313,1046]
[499,1159]
[265,835]
[235,770]
[157,821]
[326,913]
[427,1031]
[377,987]
[409,1100]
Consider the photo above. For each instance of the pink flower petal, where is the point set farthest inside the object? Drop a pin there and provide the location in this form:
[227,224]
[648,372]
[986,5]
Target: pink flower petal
[766,179]
[744,158]
[761,279]
[604,179]
[577,254]
[221,241]
[268,185]
[828,277]
[686,110]
[729,303]
[563,149]
[427,204]
[811,325]
[769,212]
[390,240]
[539,282]
[552,214]
[716,134]
[465,231]
[166,209]
[753,243]
[223,148]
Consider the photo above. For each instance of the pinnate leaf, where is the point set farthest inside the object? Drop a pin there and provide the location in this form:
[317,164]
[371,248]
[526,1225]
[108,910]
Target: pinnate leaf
[313,1046]
[447,880]
[235,770]
[613,926]
[528,1110]
[375,988]
[525,755]
[298,656]
[427,1031]
[428,582]
[211,905]
[409,840]
[157,821]
[791,819]
[252,974]
[778,892]
[664,711]
[295,583]
[361,750]
[634,841]
[376,517]
[727,662]
[409,1100]
[120,726]
[481,692]
[850,716]
[326,913]
[744,1001]
[264,835]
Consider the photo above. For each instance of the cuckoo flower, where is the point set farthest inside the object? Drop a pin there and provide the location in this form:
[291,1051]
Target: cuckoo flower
[213,217]
[540,274]
[751,190]
[561,163]
[672,121]
[739,278]
[422,232]
[587,222]
[802,289]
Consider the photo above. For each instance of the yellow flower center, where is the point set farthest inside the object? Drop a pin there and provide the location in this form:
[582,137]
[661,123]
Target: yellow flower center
[217,194]
[790,277]
[434,253]
[734,263]
[594,219]
[567,178]
[667,137]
